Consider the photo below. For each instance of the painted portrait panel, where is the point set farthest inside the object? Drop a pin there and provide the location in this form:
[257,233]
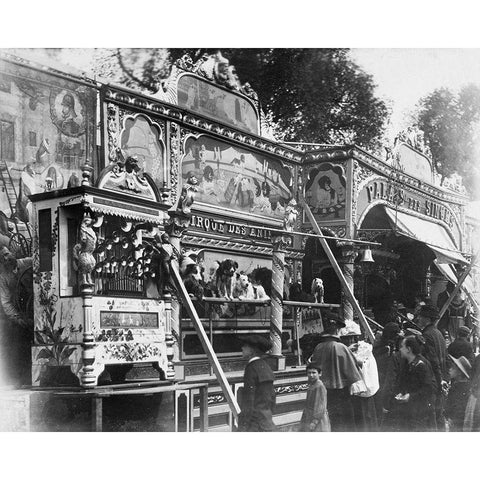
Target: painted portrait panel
[142,139]
[43,134]
[235,179]
[325,192]
[202,97]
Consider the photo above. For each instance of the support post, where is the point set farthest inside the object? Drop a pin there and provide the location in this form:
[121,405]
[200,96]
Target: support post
[457,288]
[203,410]
[175,228]
[346,288]
[88,378]
[280,243]
[349,253]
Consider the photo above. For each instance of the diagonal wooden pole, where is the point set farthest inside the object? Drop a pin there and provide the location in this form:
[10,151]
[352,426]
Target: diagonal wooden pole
[458,286]
[346,288]
[207,346]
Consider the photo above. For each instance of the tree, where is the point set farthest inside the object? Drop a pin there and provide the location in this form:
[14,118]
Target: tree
[312,95]
[451,125]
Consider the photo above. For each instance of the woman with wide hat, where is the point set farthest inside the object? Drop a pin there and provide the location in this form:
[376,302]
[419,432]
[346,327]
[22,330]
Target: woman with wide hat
[257,399]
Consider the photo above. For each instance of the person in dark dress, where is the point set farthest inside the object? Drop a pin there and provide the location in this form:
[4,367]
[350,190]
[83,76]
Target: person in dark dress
[339,373]
[415,401]
[315,415]
[387,356]
[257,400]
[461,347]
[435,351]
[460,370]
[472,410]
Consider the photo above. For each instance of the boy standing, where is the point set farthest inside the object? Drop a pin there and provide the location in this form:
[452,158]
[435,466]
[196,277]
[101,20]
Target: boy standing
[258,396]
[315,415]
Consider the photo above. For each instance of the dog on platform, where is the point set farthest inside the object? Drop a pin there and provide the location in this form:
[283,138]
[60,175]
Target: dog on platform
[224,278]
[243,289]
[318,290]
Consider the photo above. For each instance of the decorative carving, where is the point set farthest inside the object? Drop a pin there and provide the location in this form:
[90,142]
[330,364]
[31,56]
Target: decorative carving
[361,175]
[281,242]
[126,175]
[414,137]
[112,131]
[155,106]
[177,224]
[175,152]
[291,214]
[228,245]
[187,196]
[84,261]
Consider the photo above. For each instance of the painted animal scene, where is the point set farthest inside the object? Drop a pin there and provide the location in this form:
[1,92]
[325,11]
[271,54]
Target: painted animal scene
[235,179]
[42,143]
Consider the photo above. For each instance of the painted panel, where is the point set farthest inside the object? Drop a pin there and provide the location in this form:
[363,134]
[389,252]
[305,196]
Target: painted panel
[128,319]
[325,192]
[43,137]
[206,99]
[142,139]
[236,179]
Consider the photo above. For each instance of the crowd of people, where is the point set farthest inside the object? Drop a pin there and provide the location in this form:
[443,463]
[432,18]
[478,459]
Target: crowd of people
[410,379]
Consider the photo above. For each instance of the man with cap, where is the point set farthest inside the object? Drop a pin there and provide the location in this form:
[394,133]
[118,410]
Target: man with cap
[458,394]
[257,400]
[339,373]
[435,351]
[461,347]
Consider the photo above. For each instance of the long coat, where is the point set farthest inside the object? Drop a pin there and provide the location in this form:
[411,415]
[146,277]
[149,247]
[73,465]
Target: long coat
[258,398]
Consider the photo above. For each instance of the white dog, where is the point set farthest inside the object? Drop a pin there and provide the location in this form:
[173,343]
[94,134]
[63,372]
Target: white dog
[317,290]
[243,289]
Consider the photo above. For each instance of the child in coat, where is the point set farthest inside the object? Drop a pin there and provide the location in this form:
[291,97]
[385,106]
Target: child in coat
[315,415]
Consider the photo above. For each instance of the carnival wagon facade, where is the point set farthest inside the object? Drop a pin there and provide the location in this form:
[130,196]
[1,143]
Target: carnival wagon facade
[145,213]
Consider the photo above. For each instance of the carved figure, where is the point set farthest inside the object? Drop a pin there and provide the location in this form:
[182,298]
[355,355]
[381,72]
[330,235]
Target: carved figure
[224,278]
[83,259]
[187,197]
[161,261]
[291,214]
[318,290]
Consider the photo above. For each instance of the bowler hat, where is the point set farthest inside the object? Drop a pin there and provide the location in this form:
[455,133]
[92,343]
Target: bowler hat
[258,342]
[332,318]
[462,364]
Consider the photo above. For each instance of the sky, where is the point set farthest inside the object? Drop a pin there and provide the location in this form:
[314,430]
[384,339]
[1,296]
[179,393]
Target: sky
[404,75]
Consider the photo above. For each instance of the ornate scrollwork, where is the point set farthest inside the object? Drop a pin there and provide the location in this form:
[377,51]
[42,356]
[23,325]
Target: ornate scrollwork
[112,131]
[204,242]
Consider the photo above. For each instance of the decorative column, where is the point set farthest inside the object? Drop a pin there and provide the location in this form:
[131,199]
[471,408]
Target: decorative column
[280,243]
[349,253]
[88,376]
[176,227]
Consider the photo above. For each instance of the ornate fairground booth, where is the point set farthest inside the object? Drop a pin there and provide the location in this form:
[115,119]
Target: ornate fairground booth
[161,230]
[163,227]
[397,202]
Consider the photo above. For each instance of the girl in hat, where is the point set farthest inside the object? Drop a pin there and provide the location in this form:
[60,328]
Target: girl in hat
[458,393]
